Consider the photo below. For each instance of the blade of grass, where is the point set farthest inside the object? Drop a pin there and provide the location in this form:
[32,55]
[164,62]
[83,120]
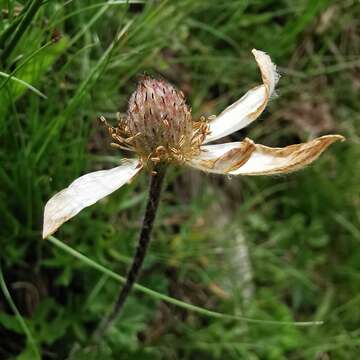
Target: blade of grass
[348,225]
[168,299]
[94,6]
[89,24]
[18,316]
[89,81]
[9,30]
[24,62]
[25,22]
[22,82]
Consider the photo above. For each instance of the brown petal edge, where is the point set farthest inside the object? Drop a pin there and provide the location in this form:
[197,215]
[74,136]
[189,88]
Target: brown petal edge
[295,156]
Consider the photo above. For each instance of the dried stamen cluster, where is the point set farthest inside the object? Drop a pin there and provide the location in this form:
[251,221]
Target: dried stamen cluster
[159,126]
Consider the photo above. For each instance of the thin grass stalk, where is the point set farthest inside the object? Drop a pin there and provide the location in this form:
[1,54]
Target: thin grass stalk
[24,24]
[19,318]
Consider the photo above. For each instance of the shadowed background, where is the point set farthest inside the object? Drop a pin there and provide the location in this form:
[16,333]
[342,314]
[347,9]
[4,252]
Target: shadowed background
[279,248]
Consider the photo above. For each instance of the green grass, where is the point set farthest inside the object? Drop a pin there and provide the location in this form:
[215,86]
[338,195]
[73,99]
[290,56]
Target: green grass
[281,249]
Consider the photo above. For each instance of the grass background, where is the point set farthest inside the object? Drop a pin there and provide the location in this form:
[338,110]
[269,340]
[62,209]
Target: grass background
[282,248]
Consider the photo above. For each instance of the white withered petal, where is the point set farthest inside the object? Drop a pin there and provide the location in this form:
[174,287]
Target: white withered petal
[269,161]
[223,158]
[247,158]
[250,106]
[85,191]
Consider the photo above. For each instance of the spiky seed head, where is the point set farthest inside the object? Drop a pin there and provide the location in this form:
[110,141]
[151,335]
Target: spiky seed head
[158,125]
[160,120]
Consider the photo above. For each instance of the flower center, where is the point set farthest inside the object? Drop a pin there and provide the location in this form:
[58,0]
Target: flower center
[159,126]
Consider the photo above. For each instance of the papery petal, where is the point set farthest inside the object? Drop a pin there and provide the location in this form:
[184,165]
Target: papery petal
[85,191]
[223,158]
[268,161]
[247,158]
[250,106]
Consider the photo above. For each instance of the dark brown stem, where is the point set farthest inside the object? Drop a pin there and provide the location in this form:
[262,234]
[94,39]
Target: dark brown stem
[145,235]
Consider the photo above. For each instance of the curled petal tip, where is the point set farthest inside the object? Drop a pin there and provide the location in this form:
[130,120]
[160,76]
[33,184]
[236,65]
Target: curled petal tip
[51,224]
[339,137]
[332,138]
[268,69]
[251,105]
[256,52]
[52,220]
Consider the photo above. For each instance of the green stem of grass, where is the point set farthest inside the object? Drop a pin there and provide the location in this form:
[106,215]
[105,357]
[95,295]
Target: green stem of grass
[18,316]
[26,61]
[24,24]
[159,296]
[9,30]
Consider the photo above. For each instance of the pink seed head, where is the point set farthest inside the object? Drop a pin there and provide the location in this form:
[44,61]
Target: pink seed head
[159,118]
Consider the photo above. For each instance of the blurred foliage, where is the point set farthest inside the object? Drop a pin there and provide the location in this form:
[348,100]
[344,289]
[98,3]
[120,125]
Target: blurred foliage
[279,248]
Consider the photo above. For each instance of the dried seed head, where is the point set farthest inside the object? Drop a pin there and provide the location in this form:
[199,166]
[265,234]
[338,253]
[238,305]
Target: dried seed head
[158,113]
[158,126]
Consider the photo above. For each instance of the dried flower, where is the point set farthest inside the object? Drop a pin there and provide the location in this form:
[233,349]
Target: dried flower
[159,128]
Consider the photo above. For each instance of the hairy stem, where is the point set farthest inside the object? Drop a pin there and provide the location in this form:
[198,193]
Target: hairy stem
[144,239]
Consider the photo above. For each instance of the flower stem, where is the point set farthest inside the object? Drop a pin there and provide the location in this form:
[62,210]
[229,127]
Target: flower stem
[156,183]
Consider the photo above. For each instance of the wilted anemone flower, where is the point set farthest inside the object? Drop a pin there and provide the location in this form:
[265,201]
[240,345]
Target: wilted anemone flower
[159,129]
